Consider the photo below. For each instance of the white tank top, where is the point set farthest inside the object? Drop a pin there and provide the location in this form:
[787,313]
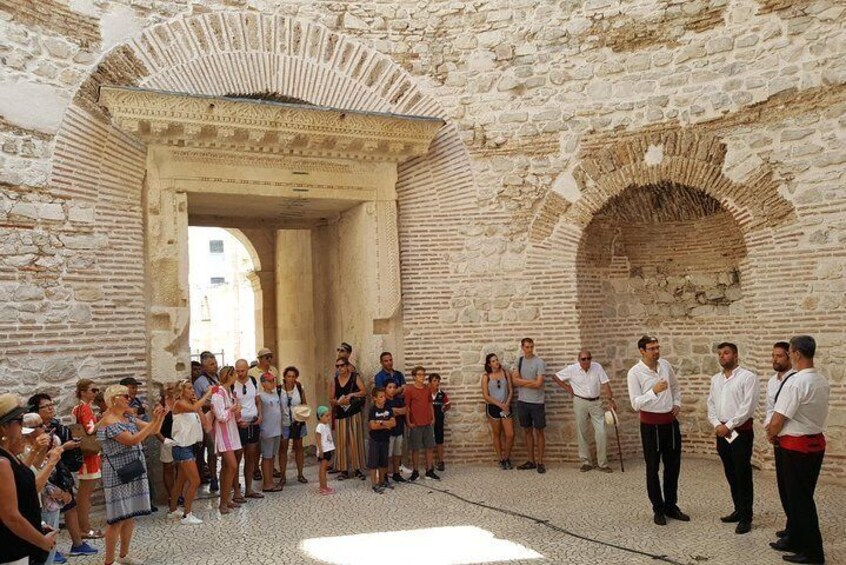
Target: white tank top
[187,429]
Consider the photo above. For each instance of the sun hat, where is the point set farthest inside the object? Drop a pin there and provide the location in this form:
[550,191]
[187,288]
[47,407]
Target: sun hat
[611,417]
[301,413]
[10,407]
[262,352]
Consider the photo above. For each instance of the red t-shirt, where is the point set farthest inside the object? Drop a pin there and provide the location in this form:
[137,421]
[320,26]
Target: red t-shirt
[418,401]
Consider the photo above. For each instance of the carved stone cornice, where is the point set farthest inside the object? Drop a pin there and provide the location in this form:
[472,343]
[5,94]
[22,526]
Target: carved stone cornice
[184,120]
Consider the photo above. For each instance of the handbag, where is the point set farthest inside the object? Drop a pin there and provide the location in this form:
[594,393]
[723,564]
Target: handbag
[88,443]
[130,472]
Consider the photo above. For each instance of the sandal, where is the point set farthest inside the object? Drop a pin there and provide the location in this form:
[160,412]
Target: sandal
[234,505]
[239,499]
[255,495]
[93,534]
[277,488]
[224,510]
[302,479]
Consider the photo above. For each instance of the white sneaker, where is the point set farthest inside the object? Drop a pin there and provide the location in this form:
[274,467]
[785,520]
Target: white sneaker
[175,514]
[405,470]
[190,520]
[129,561]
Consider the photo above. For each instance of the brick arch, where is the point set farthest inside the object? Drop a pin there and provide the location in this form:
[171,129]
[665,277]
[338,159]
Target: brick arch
[225,53]
[680,157]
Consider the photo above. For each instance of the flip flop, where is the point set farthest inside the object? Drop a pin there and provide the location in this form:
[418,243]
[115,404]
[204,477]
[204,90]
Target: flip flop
[274,489]
[239,499]
[224,510]
[255,495]
[302,479]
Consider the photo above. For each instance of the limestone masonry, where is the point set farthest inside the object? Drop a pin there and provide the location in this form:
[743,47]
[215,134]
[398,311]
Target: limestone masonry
[601,169]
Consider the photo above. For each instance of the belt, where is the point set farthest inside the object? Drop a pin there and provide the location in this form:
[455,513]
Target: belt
[804,444]
[584,398]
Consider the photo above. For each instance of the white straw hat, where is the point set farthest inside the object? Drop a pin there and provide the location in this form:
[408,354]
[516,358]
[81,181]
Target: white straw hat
[611,417]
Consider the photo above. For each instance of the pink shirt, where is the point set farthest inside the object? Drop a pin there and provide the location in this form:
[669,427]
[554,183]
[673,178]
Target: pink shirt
[226,436]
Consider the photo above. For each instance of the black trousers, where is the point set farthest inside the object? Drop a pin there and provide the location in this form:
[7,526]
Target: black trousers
[737,465]
[662,443]
[801,471]
[778,454]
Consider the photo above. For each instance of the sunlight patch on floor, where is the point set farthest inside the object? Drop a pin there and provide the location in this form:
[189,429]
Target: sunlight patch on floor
[454,545]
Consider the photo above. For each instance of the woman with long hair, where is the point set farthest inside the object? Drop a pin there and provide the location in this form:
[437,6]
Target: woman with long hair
[90,473]
[187,432]
[346,395]
[127,493]
[20,511]
[227,442]
[497,391]
[292,395]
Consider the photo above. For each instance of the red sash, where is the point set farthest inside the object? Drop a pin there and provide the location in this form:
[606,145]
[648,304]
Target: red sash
[656,418]
[803,444]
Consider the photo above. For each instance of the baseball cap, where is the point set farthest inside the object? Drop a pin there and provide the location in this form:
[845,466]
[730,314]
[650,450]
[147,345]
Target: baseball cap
[321,410]
[346,347]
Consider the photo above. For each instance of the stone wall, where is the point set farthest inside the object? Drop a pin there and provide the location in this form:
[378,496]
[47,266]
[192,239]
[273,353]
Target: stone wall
[553,109]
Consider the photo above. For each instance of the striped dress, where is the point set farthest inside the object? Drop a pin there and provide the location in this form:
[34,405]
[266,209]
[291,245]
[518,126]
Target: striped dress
[123,501]
[226,436]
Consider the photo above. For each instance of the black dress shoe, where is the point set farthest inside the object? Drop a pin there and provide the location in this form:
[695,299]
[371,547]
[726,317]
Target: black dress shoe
[781,533]
[802,558]
[731,518]
[659,519]
[743,527]
[782,545]
[677,514]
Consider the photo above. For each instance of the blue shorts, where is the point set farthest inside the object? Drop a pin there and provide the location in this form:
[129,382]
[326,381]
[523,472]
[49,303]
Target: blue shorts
[286,432]
[181,454]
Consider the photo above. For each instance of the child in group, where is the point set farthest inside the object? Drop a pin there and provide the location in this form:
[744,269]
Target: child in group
[325,446]
[420,417]
[440,402]
[397,404]
[380,421]
[270,434]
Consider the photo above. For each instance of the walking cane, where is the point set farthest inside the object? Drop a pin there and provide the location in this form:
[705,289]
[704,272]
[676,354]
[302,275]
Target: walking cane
[611,418]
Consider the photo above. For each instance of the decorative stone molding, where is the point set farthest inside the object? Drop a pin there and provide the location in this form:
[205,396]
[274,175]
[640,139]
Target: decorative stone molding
[183,120]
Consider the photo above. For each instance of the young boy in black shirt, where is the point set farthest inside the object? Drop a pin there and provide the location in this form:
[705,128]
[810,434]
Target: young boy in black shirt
[380,421]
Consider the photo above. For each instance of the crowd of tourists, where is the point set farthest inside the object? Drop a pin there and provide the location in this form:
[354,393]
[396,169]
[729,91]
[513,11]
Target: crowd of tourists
[247,416]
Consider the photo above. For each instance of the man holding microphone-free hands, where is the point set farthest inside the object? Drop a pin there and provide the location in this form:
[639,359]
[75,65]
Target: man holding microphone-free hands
[655,393]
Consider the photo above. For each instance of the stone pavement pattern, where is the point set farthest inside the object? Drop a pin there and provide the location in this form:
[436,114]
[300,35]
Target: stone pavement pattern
[612,508]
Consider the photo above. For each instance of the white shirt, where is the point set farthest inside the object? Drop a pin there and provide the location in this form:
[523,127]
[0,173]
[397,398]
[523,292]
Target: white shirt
[245,394]
[586,384]
[326,440]
[732,400]
[804,403]
[641,379]
[772,389]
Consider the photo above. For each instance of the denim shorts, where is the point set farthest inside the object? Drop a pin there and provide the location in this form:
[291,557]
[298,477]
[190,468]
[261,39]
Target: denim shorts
[181,454]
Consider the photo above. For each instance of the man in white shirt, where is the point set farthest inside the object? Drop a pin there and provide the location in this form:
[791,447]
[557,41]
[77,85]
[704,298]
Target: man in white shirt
[245,393]
[783,371]
[655,393]
[584,381]
[731,406]
[798,425]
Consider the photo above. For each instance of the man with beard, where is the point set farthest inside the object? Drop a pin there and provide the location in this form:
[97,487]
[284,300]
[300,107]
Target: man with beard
[731,406]
[783,371]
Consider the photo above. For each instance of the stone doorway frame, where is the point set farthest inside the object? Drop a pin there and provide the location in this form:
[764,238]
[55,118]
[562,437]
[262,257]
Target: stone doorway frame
[297,155]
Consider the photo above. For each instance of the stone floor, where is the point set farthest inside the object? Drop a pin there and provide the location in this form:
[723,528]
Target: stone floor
[562,517]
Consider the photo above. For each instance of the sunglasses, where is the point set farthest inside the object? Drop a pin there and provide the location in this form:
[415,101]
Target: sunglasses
[341,365]
[499,383]
[585,358]
[268,356]
[18,420]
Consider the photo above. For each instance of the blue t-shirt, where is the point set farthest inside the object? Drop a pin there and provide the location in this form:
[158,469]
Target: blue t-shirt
[382,377]
[397,402]
[385,413]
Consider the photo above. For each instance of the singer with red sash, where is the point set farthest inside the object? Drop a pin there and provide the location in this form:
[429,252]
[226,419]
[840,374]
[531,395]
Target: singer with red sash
[731,406]
[798,426]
